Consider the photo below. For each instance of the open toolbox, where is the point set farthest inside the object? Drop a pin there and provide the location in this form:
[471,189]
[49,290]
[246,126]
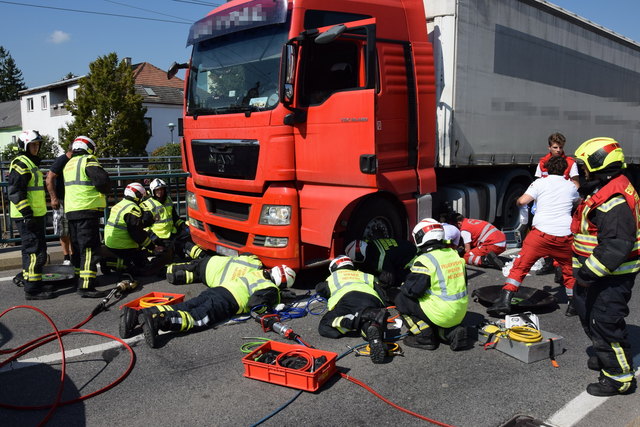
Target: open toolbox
[154,298]
[290,365]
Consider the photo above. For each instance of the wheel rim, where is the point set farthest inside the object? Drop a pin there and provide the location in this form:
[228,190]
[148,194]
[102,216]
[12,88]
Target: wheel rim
[378,228]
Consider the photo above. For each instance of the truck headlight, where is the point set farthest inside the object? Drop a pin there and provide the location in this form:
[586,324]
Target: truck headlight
[191,200]
[275,215]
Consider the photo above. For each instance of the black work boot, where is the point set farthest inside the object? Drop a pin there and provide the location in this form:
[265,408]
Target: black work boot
[375,314]
[18,280]
[178,277]
[491,260]
[374,333]
[425,340]
[594,363]
[571,309]
[557,278]
[547,267]
[128,322]
[38,291]
[502,306]
[152,322]
[610,387]
[460,339]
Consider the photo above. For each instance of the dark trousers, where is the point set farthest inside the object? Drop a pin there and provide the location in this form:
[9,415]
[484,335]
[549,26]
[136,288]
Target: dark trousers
[350,304]
[197,268]
[213,305]
[85,241]
[133,260]
[34,254]
[602,308]
[411,307]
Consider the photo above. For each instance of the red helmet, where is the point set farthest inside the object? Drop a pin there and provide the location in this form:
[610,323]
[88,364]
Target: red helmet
[283,275]
[135,190]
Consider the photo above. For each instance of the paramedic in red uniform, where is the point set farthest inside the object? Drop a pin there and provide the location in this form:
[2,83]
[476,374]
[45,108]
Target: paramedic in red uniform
[483,242]
[550,236]
[606,262]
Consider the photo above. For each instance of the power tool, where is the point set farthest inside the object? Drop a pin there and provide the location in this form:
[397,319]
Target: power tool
[126,285]
[271,322]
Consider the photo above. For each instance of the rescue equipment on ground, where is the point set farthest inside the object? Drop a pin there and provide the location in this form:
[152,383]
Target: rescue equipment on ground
[525,299]
[154,298]
[271,322]
[520,336]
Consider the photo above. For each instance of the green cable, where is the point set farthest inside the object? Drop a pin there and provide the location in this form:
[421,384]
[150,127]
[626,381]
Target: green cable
[248,347]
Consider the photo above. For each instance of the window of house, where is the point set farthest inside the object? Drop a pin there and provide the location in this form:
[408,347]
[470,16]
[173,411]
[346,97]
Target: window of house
[14,139]
[147,121]
[29,104]
[43,102]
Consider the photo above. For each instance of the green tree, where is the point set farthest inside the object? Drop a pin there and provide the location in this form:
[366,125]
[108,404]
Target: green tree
[10,77]
[48,150]
[108,110]
[159,156]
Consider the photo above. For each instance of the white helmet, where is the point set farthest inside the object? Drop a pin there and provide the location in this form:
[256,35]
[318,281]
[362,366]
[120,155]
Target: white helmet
[157,183]
[84,143]
[357,250]
[426,230]
[283,275]
[339,262]
[27,137]
[135,190]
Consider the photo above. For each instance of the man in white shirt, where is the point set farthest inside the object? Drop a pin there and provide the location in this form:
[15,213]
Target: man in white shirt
[550,236]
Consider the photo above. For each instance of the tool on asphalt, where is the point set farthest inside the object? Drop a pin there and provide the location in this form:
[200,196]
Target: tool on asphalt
[271,322]
[124,286]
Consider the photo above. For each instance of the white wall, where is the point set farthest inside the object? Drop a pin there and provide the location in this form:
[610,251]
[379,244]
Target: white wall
[161,116]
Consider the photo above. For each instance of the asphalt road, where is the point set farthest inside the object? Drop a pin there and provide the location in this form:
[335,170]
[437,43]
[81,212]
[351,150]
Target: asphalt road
[197,379]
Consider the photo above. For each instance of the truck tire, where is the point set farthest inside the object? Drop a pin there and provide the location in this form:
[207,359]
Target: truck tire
[510,212]
[375,219]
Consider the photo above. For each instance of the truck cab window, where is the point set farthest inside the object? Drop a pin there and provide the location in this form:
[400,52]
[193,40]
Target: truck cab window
[327,69]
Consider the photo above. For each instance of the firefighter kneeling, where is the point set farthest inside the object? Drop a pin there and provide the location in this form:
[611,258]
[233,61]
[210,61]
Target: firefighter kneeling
[124,233]
[433,300]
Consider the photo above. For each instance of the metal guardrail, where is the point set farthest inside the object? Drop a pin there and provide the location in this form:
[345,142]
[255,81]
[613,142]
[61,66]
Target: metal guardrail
[123,171]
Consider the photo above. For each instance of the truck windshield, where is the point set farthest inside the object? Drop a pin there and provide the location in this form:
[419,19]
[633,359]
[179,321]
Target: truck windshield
[237,72]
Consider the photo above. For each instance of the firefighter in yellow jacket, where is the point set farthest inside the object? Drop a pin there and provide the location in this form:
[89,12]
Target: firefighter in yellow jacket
[125,235]
[433,299]
[28,208]
[606,261]
[168,229]
[85,183]
[258,288]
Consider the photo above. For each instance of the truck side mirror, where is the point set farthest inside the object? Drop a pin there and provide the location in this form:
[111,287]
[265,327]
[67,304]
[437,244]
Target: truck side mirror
[331,34]
[289,74]
[173,69]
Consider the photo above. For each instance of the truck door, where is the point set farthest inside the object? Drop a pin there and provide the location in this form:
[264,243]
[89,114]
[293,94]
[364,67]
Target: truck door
[335,145]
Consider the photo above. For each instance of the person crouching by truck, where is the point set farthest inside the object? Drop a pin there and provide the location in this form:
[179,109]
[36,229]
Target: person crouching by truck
[125,235]
[482,241]
[354,306]
[433,299]
[258,288]
[387,259]
[28,208]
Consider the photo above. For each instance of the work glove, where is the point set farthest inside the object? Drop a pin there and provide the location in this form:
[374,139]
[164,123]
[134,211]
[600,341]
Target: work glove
[31,224]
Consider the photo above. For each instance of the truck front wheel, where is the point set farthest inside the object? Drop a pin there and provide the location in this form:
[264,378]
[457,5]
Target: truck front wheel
[510,211]
[375,219]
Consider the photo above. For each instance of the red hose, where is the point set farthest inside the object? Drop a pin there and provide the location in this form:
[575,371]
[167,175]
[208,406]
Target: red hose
[25,348]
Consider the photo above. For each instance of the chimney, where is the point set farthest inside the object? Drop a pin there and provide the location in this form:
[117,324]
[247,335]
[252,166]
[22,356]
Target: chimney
[127,60]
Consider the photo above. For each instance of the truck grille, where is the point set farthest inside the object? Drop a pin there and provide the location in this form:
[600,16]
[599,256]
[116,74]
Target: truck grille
[234,210]
[227,235]
[226,158]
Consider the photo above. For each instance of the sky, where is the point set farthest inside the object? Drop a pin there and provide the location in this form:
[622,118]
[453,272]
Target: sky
[49,39]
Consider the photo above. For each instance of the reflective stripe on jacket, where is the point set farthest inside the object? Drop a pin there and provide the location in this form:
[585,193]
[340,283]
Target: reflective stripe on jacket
[446,300]
[344,281]
[243,287]
[223,268]
[80,194]
[116,235]
[35,189]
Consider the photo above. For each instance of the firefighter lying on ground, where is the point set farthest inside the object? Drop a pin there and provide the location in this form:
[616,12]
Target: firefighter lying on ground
[387,259]
[125,235]
[168,229]
[258,288]
[28,208]
[482,241]
[354,306]
[433,300]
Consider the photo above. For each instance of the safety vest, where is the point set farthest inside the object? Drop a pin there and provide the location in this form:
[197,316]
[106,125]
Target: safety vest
[163,225]
[544,172]
[585,237]
[388,248]
[243,287]
[446,300]
[116,235]
[482,232]
[344,281]
[35,189]
[221,269]
[80,194]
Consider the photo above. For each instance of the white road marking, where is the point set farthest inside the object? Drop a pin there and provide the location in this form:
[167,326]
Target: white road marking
[6,278]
